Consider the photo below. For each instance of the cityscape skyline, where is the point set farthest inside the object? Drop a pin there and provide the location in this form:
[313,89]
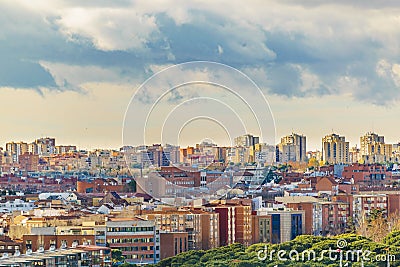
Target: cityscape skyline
[79,87]
[107,137]
[199,133]
[351,144]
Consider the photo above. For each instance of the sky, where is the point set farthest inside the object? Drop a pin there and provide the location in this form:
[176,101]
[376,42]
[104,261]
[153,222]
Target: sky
[69,69]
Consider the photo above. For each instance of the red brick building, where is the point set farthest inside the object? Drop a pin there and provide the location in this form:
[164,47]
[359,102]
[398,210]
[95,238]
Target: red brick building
[28,162]
[99,186]
[334,217]
[325,184]
[235,222]
[35,241]
[367,175]
[393,204]
[173,243]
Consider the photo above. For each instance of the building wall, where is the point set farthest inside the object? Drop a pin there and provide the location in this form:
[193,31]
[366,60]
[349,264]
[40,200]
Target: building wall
[261,229]
[138,240]
[226,224]
[285,224]
[173,243]
[308,214]
[243,224]
[210,231]
[97,186]
[29,162]
[202,227]
[335,149]
[394,204]
[35,241]
[324,184]
[367,174]
[292,148]
[363,204]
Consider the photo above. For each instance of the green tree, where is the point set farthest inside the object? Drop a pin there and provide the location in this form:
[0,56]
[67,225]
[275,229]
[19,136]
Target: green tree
[350,227]
[117,256]
[132,186]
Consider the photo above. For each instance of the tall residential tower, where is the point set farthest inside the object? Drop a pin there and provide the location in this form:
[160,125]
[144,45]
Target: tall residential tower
[335,149]
[292,148]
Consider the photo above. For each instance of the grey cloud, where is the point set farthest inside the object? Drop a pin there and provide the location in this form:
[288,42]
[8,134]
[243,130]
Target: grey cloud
[301,54]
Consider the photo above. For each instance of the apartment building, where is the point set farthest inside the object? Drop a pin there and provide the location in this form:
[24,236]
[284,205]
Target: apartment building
[312,211]
[173,243]
[202,226]
[292,148]
[364,204]
[373,148]
[335,215]
[335,149]
[235,222]
[138,239]
[261,229]
[367,174]
[285,224]
[246,140]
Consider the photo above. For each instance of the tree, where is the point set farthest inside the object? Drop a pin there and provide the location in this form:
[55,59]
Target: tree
[350,227]
[375,214]
[271,176]
[127,264]
[132,186]
[117,257]
[376,226]
[313,163]
[237,255]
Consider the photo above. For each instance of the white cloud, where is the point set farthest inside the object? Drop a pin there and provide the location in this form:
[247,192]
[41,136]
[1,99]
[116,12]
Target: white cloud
[109,29]
[220,50]
[326,40]
[396,74]
[388,70]
[79,75]
[310,82]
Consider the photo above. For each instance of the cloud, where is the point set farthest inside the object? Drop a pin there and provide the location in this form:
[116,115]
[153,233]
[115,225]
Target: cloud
[109,29]
[76,75]
[390,71]
[220,50]
[303,48]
